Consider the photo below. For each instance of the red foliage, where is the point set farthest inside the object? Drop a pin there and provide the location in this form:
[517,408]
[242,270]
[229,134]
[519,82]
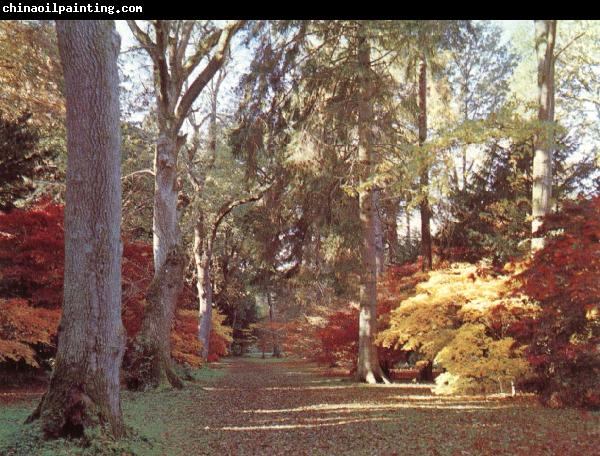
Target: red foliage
[564,277]
[31,269]
[212,358]
[338,339]
[32,255]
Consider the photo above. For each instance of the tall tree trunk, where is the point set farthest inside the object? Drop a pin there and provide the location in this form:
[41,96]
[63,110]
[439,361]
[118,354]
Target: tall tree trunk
[202,258]
[408,231]
[424,178]
[203,245]
[391,228]
[545,37]
[379,233]
[173,67]
[204,242]
[150,359]
[276,348]
[368,368]
[84,389]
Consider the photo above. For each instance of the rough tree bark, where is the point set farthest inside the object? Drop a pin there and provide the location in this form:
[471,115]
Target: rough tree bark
[150,361]
[424,178]
[84,388]
[545,37]
[368,367]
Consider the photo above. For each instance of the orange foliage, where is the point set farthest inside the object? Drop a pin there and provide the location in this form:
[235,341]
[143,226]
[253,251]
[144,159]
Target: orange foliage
[23,327]
[185,346]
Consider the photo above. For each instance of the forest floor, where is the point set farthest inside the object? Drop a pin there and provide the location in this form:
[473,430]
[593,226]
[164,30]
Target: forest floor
[247,406]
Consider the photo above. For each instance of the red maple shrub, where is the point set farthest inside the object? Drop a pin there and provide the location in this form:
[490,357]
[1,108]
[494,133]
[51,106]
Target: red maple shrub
[564,278]
[338,339]
[31,289]
[32,255]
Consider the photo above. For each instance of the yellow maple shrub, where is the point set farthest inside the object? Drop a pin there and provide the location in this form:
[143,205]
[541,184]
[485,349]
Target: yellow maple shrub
[463,319]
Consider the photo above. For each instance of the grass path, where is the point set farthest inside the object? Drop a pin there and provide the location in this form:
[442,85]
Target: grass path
[250,406]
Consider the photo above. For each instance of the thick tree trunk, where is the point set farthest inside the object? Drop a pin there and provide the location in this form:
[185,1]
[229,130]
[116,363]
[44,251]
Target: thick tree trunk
[368,368]
[84,388]
[545,36]
[173,68]
[424,181]
[150,359]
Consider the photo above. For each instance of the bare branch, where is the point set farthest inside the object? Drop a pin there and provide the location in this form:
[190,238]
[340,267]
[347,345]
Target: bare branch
[202,51]
[144,39]
[141,171]
[566,46]
[229,206]
[207,73]
[161,62]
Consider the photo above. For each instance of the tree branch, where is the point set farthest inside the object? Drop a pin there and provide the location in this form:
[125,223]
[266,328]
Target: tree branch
[567,45]
[141,171]
[144,39]
[207,73]
[201,52]
[229,206]
[161,63]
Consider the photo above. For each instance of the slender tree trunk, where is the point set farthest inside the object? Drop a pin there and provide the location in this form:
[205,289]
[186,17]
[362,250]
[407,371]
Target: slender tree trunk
[150,360]
[391,228]
[368,368]
[545,37]
[84,388]
[276,348]
[202,258]
[203,244]
[408,232]
[379,233]
[424,206]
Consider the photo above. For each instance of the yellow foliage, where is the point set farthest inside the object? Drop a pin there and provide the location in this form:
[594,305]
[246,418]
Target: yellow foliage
[221,330]
[459,319]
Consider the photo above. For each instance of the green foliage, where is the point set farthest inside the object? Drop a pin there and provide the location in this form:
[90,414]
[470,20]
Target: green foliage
[488,215]
[21,160]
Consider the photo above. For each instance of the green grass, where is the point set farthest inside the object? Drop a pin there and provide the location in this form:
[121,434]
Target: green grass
[149,416]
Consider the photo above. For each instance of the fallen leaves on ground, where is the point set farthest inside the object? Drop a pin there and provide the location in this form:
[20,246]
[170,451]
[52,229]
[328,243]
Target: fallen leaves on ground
[288,407]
